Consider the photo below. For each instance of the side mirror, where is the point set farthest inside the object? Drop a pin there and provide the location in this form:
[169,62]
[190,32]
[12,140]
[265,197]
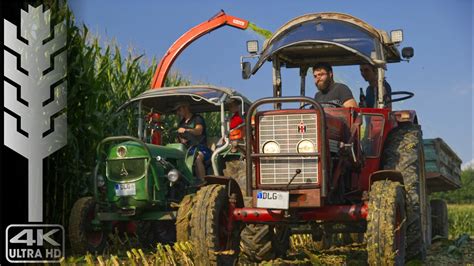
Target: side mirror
[246,69]
[408,52]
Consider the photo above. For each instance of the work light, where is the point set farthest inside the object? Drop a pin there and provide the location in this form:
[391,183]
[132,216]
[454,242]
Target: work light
[252,46]
[396,36]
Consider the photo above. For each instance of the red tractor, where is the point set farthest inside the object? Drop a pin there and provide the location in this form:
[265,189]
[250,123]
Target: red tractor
[330,170]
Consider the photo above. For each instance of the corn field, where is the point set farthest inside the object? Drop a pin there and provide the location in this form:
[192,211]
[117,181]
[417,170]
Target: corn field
[461,220]
[99,80]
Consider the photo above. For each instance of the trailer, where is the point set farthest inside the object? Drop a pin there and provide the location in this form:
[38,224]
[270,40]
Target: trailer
[443,166]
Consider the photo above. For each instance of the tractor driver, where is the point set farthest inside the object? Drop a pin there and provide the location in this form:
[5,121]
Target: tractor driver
[370,74]
[192,133]
[329,91]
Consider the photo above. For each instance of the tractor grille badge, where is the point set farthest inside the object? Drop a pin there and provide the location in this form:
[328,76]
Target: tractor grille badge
[123,171]
[301,128]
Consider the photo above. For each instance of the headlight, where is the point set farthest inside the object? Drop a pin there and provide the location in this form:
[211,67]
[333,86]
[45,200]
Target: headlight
[305,146]
[173,175]
[271,147]
[122,151]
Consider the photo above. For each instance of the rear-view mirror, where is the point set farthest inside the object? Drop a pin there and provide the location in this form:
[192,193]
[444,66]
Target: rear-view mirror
[408,52]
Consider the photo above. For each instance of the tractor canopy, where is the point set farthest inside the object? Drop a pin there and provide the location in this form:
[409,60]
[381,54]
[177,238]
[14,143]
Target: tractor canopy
[202,98]
[335,38]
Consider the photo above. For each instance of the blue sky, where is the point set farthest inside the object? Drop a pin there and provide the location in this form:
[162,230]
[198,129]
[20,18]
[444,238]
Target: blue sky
[440,74]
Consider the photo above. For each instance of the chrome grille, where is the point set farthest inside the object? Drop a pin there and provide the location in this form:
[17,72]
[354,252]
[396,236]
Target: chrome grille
[284,130]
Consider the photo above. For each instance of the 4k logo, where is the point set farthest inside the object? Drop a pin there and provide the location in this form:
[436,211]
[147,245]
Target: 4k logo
[34,243]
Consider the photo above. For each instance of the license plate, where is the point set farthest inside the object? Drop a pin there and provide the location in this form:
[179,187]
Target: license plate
[127,189]
[273,199]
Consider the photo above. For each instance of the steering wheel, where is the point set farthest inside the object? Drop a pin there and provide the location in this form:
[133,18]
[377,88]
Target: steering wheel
[176,135]
[407,94]
[323,104]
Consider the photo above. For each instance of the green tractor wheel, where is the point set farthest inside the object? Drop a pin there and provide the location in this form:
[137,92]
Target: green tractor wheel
[83,235]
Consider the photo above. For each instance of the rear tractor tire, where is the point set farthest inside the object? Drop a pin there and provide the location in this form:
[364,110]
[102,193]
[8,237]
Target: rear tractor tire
[386,225]
[214,244]
[84,237]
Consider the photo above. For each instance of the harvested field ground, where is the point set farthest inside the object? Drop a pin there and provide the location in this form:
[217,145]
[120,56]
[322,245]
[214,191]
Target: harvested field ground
[458,250]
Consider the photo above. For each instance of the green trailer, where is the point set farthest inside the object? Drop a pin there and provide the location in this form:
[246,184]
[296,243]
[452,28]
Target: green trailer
[443,173]
[443,166]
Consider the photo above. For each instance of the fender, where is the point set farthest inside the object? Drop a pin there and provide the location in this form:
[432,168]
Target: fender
[392,175]
[231,186]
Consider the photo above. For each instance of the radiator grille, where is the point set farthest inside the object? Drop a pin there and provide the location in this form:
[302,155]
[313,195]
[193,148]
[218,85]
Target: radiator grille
[126,169]
[288,130]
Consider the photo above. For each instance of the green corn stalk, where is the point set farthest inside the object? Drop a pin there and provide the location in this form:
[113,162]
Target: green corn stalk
[114,260]
[100,259]
[131,259]
[89,259]
[142,256]
[170,254]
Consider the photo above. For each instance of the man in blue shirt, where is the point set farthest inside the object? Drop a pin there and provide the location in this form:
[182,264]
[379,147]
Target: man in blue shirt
[192,133]
[370,74]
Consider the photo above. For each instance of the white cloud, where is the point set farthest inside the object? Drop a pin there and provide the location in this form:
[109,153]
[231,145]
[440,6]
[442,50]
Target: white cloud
[468,165]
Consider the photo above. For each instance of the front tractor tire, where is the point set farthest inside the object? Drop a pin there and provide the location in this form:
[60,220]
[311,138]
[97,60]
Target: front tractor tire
[214,244]
[403,152]
[261,242]
[82,234]
[386,226]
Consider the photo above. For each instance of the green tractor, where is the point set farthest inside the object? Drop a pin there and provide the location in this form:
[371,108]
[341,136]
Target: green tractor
[144,187]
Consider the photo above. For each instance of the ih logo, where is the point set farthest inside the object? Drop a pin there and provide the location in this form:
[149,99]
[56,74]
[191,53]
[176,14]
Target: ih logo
[301,128]
[34,91]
